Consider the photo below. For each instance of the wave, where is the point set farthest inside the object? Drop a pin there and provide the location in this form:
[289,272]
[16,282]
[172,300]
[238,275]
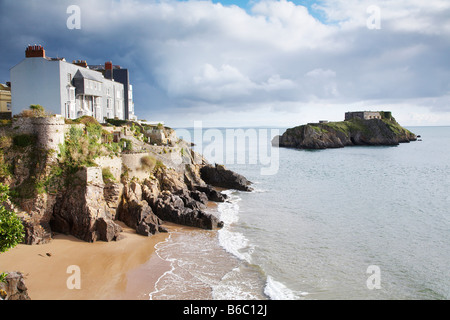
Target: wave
[233,242]
[168,272]
[278,291]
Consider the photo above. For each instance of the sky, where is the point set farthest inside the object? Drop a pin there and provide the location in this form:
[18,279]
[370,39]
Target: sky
[252,63]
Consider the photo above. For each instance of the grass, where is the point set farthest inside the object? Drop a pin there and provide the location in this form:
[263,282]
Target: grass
[148,163]
[108,177]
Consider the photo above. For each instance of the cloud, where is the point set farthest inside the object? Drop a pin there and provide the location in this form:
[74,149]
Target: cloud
[198,58]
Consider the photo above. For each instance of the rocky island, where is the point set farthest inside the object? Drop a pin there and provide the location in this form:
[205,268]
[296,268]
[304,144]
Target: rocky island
[359,128]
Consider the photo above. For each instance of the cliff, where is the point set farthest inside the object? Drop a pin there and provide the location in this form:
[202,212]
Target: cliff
[80,178]
[385,131]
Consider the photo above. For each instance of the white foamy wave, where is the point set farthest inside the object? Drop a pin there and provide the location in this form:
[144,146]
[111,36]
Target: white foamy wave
[157,288]
[277,291]
[236,285]
[236,244]
[233,242]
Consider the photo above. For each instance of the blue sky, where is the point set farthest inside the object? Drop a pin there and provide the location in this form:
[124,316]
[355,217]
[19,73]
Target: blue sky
[265,62]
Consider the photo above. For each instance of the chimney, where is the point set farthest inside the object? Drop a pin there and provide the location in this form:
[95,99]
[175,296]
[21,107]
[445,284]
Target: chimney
[81,63]
[108,70]
[35,52]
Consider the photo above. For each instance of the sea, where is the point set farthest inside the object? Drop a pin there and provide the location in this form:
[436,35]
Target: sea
[354,223]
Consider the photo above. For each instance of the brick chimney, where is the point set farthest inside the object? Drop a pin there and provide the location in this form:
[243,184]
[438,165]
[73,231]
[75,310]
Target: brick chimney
[35,52]
[81,63]
[108,65]
[109,70]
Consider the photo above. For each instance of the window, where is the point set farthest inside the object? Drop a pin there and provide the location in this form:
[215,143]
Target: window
[69,78]
[71,93]
[8,106]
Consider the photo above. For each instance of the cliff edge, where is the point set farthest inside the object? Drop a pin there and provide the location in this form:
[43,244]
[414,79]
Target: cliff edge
[382,132]
[80,178]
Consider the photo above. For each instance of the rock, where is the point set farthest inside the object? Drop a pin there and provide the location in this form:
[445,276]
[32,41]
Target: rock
[138,214]
[199,196]
[386,132]
[108,230]
[170,180]
[36,233]
[219,176]
[171,208]
[112,193]
[14,287]
[211,193]
[80,207]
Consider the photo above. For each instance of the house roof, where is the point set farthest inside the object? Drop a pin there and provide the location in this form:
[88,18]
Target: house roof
[84,74]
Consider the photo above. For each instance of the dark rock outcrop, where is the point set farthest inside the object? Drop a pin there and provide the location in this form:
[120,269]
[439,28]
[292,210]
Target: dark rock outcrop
[82,209]
[170,207]
[219,176]
[14,287]
[211,193]
[136,212]
[345,133]
[108,230]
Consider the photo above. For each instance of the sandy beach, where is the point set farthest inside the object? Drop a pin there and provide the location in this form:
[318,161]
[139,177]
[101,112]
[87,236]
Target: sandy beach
[126,269]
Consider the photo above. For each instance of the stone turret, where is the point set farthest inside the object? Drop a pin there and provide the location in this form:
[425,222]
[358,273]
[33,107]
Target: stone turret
[48,130]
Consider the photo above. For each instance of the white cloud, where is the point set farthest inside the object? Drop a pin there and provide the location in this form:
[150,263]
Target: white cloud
[202,58]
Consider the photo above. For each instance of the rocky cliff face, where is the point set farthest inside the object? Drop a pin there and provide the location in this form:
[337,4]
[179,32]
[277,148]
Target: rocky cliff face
[346,133]
[88,202]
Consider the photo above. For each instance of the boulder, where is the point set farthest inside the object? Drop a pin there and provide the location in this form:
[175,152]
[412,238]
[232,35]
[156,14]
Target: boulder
[14,287]
[219,176]
[171,208]
[211,193]
[108,230]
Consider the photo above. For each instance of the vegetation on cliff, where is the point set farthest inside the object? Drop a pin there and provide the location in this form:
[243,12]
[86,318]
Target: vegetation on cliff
[80,177]
[11,228]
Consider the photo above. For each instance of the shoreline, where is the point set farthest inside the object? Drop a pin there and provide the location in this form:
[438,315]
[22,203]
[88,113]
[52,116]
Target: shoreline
[124,270]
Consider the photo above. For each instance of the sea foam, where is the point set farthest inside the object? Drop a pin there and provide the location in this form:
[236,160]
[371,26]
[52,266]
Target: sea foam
[278,291]
[233,242]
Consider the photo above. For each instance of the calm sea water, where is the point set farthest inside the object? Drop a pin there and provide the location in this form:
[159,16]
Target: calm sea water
[329,224]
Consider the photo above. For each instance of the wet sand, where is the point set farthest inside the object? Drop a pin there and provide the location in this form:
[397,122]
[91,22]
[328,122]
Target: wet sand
[126,269]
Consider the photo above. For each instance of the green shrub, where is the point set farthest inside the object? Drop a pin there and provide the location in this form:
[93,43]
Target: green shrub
[108,177]
[126,145]
[116,122]
[80,149]
[34,111]
[11,228]
[24,140]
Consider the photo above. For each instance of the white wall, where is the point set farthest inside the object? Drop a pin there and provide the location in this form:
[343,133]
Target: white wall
[36,81]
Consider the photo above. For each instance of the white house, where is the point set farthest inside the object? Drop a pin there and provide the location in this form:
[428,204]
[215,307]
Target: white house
[68,89]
